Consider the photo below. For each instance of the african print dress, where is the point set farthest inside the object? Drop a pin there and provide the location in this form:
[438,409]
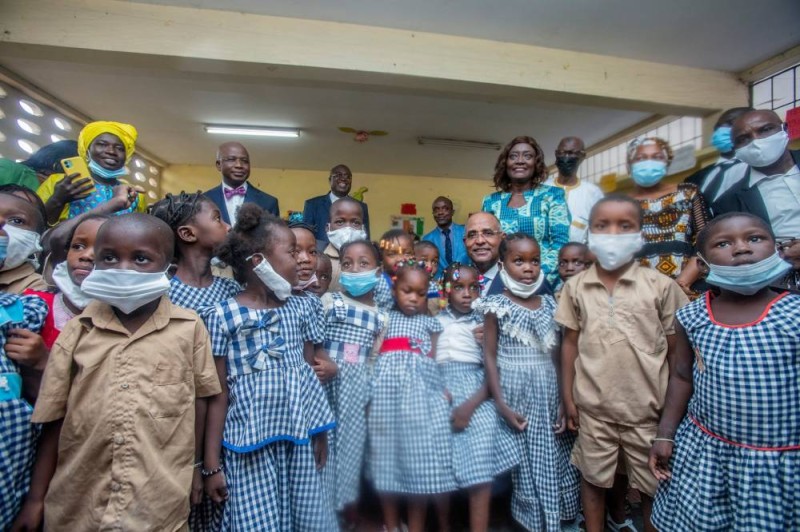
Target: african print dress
[546,484]
[736,460]
[275,406]
[409,417]
[18,441]
[351,329]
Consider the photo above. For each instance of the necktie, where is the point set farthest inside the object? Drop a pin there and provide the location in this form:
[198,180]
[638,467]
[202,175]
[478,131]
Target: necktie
[231,192]
[448,246]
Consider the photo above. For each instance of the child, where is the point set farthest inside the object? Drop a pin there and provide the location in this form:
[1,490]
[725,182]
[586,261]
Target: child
[272,418]
[573,258]
[346,225]
[307,255]
[731,421]
[520,344]
[427,253]
[118,393]
[397,247]
[352,326]
[475,430]
[17,435]
[408,424]
[324,273]
[23,222]
[618,328]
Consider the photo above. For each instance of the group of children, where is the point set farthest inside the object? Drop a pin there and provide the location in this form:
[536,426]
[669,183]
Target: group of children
[262,401]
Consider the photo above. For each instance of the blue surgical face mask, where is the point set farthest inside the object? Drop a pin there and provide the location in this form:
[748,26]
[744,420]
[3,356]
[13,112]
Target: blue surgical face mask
[648,173]
[747,279]
[3,248]
[358,284]
[722,139]
[105,173]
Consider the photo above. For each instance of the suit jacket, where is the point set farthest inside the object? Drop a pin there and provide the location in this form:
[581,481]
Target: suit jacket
[459,249]
[316,212]
[743,198]
[253,195]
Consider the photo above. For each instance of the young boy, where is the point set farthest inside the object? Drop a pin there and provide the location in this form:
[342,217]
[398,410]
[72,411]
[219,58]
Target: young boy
[573,258]
[346,224]
[427,252]
[118,395]
[22,215]
[618,321]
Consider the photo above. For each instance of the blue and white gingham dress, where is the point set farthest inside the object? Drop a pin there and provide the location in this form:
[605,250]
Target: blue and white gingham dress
[409,417]
[546,484]
[481,451]
[206,516]
[275,405]
[351,329]
[746,390]
[18,441]
[383,293]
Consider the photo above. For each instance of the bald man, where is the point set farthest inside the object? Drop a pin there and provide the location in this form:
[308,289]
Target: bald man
[233,164]
[581,195]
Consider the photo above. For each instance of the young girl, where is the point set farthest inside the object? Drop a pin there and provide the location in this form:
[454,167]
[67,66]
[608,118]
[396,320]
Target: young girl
[727,451]
[408,423]
[520,350]
[397,247]
[427,252]
[273,415]
[324,273]
[476,435]
[352,326]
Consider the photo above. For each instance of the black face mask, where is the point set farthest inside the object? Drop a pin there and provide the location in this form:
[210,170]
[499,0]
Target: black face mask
[568,165]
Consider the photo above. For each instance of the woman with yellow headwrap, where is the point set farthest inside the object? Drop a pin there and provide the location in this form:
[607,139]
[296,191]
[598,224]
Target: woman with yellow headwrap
[107,147]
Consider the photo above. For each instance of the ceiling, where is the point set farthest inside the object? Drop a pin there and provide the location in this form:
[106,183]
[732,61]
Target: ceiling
[730,35]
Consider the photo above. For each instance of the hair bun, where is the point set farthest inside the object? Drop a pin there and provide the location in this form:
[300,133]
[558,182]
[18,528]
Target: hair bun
[249,217]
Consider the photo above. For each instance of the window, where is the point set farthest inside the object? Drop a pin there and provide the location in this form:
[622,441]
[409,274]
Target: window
[779,92]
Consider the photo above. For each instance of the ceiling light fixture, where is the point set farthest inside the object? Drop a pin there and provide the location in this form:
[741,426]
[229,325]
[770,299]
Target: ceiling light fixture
[457,143]
[254,131]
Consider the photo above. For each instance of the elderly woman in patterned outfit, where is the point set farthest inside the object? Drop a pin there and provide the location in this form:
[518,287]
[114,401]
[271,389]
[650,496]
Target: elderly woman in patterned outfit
[524,203]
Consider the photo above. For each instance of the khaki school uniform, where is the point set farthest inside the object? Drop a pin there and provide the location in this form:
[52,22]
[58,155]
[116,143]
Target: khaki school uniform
[21,278]
[126,452]
[621,371]
[336,269]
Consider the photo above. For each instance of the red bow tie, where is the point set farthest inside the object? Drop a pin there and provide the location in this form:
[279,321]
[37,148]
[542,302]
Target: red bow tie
[231,192]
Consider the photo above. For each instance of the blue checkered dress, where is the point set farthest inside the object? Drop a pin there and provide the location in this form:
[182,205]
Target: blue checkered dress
[481,451]
[409,418]
[546,485]
[275,405]
[351,329]
[383,293]
[18,442]
[206,516]
[746,390]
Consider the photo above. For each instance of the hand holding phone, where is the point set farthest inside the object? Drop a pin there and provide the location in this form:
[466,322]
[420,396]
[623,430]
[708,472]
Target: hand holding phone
[77,183]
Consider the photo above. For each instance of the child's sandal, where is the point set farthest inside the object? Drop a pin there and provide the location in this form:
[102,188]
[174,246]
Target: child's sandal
[625,526]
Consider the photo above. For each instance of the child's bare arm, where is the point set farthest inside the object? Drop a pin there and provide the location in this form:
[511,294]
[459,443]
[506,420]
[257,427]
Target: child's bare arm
[215,485]
[462,414]
[200,413]
[569,354]
[321,362]
[32,513]
[490,336]
[434,340]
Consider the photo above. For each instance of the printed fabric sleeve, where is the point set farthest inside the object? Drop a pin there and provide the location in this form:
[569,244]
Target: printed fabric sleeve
[672,299]
[51,404]
[556,233]
[35,313]
[567,313]
[217,331]
[313,320]
[699,214]
[487,205]
[206,379]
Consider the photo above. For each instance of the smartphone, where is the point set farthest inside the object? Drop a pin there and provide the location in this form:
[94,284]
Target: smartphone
[75,165]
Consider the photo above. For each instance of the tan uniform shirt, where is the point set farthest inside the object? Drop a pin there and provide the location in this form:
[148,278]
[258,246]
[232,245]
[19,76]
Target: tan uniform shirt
[126,450]
[621,371]
[20,279]
[336,269]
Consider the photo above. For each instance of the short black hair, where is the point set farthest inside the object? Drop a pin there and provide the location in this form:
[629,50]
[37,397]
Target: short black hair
[580,245]
[425,244]
[13,189]
[48,158]
[513,237]
[618,198]
[155,228]
[373,248]
[443,198]
[405,268]
[705,234]
[84,218]
[343,201]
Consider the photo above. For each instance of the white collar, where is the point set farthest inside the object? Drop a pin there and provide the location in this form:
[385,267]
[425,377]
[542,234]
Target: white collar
[334,197]
[491,273]
[757,176]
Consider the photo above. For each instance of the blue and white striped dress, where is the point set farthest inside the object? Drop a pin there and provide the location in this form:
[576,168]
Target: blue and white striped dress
[18,441]
[275,406]
[351,329]
[747,391]
[546,484]
[409,418]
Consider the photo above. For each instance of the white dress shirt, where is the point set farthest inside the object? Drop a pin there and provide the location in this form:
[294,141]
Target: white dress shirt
[456,342]
[733,174]
[334,197]
[581,197]
[781,195]
[233,204]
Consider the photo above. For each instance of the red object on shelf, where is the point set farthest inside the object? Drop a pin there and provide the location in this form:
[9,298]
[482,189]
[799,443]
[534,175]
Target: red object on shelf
[408,208]
[793,121]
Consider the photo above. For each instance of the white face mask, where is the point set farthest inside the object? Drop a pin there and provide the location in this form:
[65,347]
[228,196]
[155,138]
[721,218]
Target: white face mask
[126,290]
[70,290]
[345,235]
[22,243]
[615,251]
[521,289]
[764,152]
[267,274]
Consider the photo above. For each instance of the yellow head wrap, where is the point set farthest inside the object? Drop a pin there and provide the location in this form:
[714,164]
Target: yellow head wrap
[126,133]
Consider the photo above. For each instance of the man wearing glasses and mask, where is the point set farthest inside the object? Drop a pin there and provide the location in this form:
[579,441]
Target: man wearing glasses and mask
[316,210]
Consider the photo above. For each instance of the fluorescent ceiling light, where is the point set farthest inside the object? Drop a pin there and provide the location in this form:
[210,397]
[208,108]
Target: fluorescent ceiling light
[458,143]
[254,131]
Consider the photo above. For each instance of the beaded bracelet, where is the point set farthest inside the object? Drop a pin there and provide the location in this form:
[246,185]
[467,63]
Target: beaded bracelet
[211,472]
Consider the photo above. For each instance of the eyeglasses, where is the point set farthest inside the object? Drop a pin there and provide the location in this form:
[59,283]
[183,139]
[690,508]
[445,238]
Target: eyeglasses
[485,233]
[340,175]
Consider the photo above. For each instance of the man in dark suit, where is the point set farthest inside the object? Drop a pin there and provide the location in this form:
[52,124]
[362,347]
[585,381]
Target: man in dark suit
[316,210]
[233,163]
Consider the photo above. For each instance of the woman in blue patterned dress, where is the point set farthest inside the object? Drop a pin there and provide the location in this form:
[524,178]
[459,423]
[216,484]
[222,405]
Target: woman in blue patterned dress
[727,451]
[408,423]
[523,203]
[520,349]
[272,418]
